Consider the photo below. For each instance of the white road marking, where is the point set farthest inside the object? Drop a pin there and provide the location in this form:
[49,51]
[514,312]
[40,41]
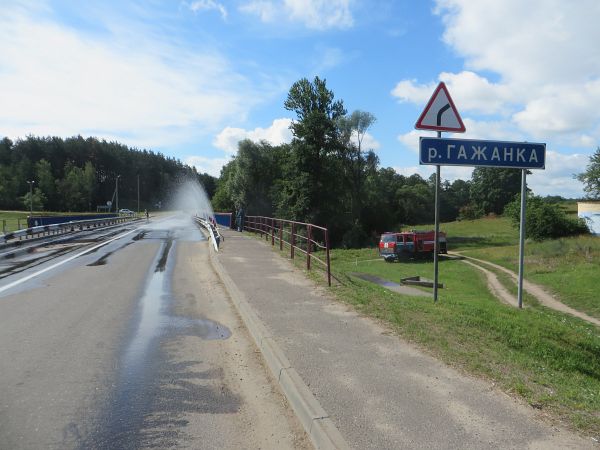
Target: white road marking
[54,266]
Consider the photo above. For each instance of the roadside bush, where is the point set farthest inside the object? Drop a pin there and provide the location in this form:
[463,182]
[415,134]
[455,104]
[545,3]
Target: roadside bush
[544,220]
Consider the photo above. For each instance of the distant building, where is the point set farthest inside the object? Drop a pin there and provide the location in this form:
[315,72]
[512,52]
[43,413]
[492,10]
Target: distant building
[590,211]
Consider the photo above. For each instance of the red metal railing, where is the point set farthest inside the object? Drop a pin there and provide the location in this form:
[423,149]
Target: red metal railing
[306,238]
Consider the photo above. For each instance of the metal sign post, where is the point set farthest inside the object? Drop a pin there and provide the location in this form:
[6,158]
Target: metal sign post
[436,246]
[439,114]
[522,236]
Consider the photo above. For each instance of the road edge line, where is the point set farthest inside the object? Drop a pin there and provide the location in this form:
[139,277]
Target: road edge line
[316,422]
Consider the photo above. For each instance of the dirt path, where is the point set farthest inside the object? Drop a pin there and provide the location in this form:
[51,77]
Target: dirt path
[537,291]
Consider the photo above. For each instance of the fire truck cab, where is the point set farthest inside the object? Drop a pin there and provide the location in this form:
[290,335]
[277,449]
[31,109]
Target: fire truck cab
[396,245]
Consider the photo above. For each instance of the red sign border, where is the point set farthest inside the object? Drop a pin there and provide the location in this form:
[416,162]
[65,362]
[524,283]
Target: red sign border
[419,125]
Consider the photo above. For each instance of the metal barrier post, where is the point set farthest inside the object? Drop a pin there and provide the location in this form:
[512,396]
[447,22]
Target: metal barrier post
[293,240]
[266,222]
[272,231]
[281,235]
[328,260]
[308,246]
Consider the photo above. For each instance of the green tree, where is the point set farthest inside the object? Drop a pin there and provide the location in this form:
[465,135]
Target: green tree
[71,188]
[47,183]
[356,163]
[254,173]
[223,197]
[88,184]
[591,177]
[36,201]
[310,187]
[492,189]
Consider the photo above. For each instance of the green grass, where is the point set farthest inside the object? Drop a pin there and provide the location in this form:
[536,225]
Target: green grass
[547,358]
[567,267]
[486,232]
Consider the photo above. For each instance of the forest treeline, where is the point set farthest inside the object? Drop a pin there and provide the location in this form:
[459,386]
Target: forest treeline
[326,176]
[77,174]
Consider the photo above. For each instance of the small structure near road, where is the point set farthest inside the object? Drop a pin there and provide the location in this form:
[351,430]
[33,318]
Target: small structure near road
[395,287]
[419,281]
[590,212]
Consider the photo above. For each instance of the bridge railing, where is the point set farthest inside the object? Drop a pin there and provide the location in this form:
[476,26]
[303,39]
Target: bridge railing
[59,228]
[306,238]
[212,229]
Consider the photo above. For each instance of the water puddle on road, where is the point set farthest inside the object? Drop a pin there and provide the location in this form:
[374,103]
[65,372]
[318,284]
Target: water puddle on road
[144,363]
[154,322]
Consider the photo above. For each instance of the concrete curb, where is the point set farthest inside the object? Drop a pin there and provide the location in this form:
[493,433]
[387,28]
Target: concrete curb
[314,419]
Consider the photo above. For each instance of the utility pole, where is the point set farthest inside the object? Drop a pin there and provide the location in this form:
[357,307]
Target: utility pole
[31,183]
[117,192]
[138,185]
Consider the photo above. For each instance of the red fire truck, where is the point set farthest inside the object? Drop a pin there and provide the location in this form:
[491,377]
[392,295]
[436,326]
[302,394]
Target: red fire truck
[396,245]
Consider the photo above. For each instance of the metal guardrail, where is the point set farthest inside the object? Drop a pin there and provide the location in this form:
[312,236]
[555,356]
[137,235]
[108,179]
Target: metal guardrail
[300,237]
[59,228]
[212,230]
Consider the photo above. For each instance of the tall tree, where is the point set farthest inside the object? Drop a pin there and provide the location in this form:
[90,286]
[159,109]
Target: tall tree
[356,163]
[46,182]
[591,177]
[310,187]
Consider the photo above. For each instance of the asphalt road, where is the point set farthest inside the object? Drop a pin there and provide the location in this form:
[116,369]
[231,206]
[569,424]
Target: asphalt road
[131,344]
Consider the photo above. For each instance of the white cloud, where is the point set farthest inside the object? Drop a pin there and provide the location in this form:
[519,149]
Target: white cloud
[368,141]
[313,14]
[208,5]
[562,110]
[469,91]
[411,139]
[278,133]
[124,83]
[411,91]
[494,130]
[545,59]
[264,9]
[558,179]
[545,54]
[327,58]
[527,43]
[212,166]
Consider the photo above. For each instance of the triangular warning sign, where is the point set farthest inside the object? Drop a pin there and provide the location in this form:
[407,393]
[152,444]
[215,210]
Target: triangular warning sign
[440,114]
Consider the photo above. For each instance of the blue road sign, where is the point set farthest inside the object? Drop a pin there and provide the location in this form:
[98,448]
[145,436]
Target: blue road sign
[474,152]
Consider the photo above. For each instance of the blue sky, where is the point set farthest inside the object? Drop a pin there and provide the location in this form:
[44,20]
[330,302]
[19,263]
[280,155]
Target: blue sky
[191,78]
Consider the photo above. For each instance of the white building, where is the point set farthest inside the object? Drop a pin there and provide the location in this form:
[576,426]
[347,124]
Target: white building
[590,211]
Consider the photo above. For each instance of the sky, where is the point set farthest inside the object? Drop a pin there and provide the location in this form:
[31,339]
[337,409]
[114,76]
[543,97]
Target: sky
[190,78]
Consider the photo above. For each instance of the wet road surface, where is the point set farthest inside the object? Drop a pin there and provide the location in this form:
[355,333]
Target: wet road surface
[131,345]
